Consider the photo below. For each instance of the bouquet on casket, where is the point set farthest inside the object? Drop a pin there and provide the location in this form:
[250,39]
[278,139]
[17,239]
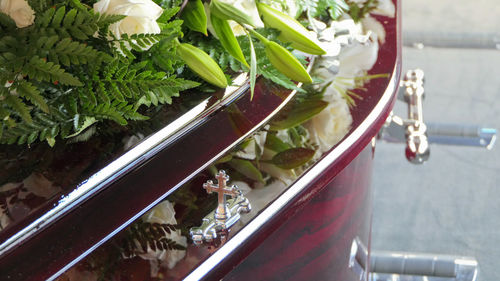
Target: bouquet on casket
[77,70]
[69,69]
[68,66]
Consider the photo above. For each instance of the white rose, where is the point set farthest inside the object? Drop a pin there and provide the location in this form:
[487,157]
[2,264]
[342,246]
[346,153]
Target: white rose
[357,58]
[19,10]
[373,25]
[141,16]
[330,125]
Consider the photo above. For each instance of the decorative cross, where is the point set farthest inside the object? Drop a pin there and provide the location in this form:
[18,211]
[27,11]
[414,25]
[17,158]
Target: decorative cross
[221,213]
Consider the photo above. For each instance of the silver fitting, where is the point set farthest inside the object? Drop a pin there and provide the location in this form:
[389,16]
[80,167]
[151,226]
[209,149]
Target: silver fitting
[417,146]
[215,224]
[417,135]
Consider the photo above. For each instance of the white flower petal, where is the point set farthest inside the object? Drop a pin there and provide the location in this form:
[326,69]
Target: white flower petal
[19,10]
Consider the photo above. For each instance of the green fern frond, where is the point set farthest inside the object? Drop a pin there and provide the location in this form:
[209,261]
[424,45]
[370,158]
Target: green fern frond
[42,70]
[76,24]
[43,126]
[41,5]
[104,20]
[66,51]
[142,235]
[19,107]
[27,90]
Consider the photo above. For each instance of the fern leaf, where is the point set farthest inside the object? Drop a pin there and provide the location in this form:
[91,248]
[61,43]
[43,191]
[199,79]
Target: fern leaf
[141,236]
[58,17]
[42,70]
[31,93]
[40,5]
[103,20]
[106,111]
[69,19]
[19,107]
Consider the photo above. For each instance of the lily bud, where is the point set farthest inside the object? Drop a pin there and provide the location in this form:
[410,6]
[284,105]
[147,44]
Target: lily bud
[242,15]
[286,63]
[194,16]
[227,38]
[291,30]
[202,64]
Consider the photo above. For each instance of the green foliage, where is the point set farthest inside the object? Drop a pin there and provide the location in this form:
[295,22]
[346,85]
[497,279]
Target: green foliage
[148,235]
[359,11]
[228,63]
[67,72]
[319,8]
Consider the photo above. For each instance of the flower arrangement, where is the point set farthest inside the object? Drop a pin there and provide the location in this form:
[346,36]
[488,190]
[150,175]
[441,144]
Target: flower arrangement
[73,69]
[67,67]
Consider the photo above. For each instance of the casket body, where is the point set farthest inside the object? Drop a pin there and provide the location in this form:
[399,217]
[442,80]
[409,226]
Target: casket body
[317,228]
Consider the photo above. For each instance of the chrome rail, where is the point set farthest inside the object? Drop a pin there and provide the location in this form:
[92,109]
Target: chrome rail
[404,266]
[400,266]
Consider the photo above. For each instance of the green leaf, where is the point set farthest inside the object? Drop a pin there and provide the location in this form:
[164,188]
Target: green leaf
[69,18]
[42,70]
[51,141]
[31,93]
[286,63]
[246,168]
[194,16]
[293,158]
[275,144]
[58,16]
[228,11]
[89,121]
[253,67]
[202,64]
[297,114]
[227,38]
[20,108]
[290,30]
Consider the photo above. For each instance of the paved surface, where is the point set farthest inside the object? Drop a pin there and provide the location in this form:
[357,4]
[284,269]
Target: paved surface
[450,205]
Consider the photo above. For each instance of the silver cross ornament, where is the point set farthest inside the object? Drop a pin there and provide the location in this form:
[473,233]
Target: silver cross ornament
[227,212]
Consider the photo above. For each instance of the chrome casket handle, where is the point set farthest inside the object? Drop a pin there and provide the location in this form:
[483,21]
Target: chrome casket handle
[418,135]
[225,215]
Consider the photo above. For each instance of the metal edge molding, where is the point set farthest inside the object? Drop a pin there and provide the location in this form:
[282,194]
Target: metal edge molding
[244,233]
[113,171]
[200,169]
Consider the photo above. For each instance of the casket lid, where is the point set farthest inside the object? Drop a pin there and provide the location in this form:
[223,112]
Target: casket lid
[59,235]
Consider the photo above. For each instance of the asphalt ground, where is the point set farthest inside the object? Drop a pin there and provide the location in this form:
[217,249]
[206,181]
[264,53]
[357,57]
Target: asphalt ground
[451,204]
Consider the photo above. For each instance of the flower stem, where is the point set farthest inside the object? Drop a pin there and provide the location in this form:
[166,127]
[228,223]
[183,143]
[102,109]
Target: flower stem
[260,37]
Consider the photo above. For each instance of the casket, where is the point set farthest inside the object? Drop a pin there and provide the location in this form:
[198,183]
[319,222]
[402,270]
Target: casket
[317,228]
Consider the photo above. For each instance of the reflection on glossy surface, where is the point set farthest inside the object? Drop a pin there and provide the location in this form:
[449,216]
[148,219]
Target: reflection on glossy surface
[115,169]
[99,219]
[225,215]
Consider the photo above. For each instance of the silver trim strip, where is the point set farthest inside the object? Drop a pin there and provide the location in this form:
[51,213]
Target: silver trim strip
[296,187]
[146,149]
[199,170]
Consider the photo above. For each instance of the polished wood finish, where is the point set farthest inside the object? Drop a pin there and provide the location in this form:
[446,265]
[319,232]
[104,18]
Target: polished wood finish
[315,242]
[346,208]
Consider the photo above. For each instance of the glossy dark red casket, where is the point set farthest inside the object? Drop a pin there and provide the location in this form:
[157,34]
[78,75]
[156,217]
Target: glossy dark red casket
[308,232]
